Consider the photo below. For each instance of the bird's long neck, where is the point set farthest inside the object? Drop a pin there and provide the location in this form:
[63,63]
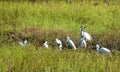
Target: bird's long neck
[68,40]
[82,32]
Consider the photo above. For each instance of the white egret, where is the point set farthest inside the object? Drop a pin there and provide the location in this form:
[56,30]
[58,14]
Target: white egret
[59,43]
[85,35]
[23,43]
[82,43]
[102,49]
[45,44]
[71,43]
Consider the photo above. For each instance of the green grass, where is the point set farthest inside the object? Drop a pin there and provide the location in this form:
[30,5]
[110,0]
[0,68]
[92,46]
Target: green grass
[20,58]
[42,21]
[59,15]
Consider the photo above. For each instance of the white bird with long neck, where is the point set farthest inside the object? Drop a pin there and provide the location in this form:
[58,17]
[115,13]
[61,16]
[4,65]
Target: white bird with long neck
[85,35]
[59,43]
[102,49]
[82,43]
[71,43]
[45,44]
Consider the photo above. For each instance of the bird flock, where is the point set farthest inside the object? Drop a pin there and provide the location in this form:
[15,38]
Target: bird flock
[84,37]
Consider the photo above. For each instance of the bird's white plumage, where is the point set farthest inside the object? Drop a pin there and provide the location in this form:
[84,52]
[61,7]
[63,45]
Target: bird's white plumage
[23,43]
[59,43]
[71,43]
[85,35]
[102,49]
[82,43]
[45,44]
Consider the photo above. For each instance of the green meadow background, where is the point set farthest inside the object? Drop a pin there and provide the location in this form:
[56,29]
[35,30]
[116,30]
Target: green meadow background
[41,20]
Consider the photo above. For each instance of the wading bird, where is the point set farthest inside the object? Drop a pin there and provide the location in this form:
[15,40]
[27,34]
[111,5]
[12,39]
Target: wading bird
[82,43]
[71,43]
[45,44]
[85,35]
[23,43]
[59,43]
[102,49]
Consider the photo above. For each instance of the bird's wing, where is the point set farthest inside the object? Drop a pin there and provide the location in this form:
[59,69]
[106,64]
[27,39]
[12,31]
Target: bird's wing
[84,42]
[21,43]
[80,42]
[58,42]
[105,49]
[45,45]
[72,44]
[87,36]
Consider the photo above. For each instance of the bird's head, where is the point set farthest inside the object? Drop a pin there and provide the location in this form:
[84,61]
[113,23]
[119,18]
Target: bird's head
[97,46]
[68,37]
[56,40]
[82,28]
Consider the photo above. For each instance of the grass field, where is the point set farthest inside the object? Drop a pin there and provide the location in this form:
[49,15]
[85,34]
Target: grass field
[42,21]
